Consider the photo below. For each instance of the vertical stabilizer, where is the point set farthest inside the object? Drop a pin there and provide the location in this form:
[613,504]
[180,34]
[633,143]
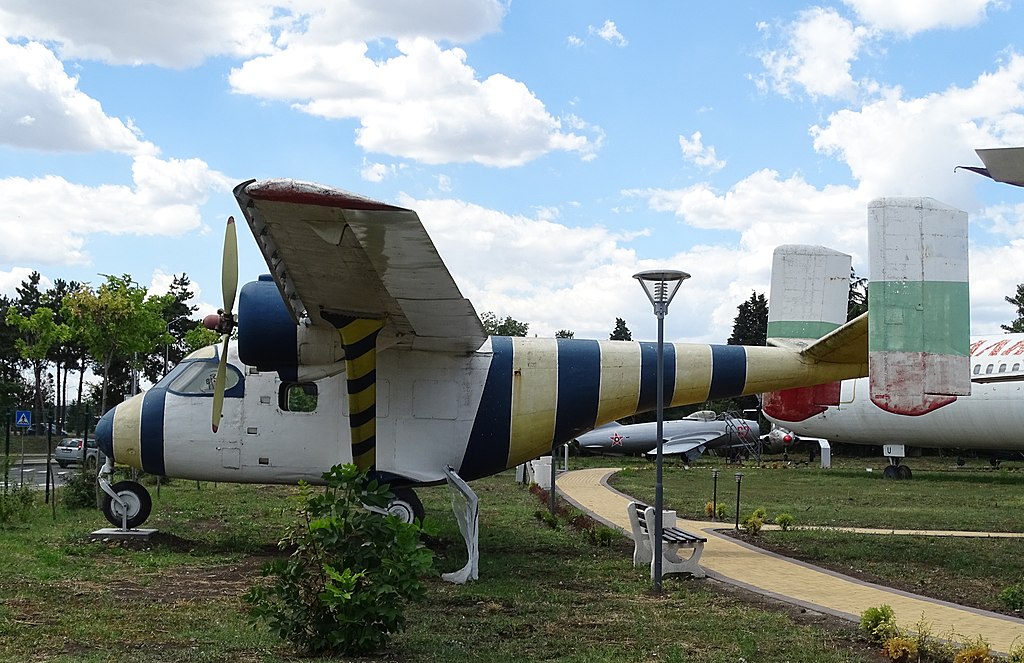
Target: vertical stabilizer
[808,299]
[809,291]
[918,305]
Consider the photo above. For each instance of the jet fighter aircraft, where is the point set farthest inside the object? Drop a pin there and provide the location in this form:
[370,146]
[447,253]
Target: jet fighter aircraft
[688,437]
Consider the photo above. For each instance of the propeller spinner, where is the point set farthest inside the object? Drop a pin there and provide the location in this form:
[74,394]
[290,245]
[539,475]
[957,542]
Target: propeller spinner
[223,322]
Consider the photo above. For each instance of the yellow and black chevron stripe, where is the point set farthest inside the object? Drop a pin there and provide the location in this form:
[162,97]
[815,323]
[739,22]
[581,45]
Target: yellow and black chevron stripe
[359,339]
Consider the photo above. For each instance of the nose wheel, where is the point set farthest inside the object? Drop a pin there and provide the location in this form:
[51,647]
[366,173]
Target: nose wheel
[134,508]
[406,505]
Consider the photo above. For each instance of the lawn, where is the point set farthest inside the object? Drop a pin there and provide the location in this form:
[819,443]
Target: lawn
[543,593]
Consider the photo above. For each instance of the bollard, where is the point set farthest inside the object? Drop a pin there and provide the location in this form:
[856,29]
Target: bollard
[714,494]
[739,480]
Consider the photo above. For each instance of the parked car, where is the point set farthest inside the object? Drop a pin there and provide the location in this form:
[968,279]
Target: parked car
[70,450]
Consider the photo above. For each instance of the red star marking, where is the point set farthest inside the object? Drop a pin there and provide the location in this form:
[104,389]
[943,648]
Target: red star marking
[616,440]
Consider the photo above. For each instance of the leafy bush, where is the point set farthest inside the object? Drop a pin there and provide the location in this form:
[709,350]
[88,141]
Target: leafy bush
[899,649]
[79,490]
[16,504]
[602,535]
[760,513]
[1013,596]
[546,517]
[1016,654]
[709,509]
[784,521]
[345,586]
[723,512]
[752,524]
[976,653]
[879,623]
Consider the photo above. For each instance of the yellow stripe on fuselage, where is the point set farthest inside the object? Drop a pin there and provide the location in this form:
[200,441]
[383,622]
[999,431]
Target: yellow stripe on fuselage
[534,397]
[693,374]
[620,380]
[127,425]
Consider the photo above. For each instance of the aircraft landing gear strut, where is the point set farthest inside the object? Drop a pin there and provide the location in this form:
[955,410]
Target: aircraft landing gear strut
[897,470]
[126,504]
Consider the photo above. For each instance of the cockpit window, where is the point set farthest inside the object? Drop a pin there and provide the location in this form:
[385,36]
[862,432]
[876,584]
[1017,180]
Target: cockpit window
[198,378]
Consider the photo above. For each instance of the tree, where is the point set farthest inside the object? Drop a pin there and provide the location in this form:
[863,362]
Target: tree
[177,315]
[564,333]
[40,332]
[1017,325]
[750,327]
[116,322]
[621,331]
[507,327]
[858,302]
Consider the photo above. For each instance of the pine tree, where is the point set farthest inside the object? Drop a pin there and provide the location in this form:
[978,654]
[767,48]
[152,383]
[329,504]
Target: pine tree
[621,331]
[1017,325]
[751,324]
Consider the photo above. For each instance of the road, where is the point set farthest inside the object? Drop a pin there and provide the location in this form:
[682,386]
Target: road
[33,472]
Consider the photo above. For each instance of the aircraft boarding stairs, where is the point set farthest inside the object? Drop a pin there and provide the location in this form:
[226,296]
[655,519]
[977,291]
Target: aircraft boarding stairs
[749,439]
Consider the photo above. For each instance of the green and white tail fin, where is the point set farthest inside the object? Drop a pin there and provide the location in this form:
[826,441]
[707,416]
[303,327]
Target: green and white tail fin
[914,340]
[919,303]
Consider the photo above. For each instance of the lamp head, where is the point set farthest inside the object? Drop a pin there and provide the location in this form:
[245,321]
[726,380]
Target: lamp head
[660,286]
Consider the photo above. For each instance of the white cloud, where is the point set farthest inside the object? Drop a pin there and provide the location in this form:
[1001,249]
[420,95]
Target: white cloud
[610,33]
[573,41]
[897,146]
[820,47]
[43,108]
[376,172]
[913,16]
[47,219]
[698,154]
[424,104]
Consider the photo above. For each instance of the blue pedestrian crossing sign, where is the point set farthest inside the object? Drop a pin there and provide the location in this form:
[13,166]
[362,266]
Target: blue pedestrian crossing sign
[23,418]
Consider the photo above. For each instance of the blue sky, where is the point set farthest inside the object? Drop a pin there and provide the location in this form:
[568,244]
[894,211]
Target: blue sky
[552,150]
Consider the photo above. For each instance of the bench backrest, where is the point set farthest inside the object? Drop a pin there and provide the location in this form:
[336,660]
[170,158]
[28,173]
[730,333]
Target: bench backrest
[641,519]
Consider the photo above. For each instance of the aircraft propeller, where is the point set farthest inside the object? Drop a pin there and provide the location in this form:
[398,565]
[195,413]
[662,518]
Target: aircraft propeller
[223,321]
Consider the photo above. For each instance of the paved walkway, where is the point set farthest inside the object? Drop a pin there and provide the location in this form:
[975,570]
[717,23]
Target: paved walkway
[735,562]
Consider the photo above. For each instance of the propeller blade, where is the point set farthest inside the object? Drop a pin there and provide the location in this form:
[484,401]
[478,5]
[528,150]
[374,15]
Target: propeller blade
[229,274]
[218,386]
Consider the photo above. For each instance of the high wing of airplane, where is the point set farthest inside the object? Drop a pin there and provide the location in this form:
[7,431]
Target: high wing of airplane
[990,418]
[360,348]
[688,437]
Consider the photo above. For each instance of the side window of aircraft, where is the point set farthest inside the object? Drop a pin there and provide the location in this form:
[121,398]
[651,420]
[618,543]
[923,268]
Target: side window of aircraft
[1016,367]
[297,397]
[1002,368]
[198,379]
[988,369]
[977,369]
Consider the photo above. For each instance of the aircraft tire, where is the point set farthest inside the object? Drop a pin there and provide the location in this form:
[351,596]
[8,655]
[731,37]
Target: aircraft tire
[903,472]
[138,502]
[891,472]
[406,505]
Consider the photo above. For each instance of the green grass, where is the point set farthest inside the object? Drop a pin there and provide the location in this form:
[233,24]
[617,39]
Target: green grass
[943,496]
[543,593]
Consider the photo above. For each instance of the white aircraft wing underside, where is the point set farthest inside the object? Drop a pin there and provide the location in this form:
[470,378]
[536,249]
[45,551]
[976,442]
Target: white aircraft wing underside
[333,252]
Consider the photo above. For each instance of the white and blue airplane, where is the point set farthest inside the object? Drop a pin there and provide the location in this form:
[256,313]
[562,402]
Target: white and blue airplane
[360,348]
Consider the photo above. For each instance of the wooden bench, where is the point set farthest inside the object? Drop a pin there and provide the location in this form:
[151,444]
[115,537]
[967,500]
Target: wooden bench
[673,540]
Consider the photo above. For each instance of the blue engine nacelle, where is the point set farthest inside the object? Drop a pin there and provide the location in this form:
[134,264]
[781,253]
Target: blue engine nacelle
[270,340]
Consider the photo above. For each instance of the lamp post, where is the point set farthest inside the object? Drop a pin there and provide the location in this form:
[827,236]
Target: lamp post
[714,494]
[739,480]
[660,286]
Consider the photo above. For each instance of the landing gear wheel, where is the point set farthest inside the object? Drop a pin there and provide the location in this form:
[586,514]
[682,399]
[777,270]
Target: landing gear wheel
[891,472]
[406,505]
[903,472]
[137,504]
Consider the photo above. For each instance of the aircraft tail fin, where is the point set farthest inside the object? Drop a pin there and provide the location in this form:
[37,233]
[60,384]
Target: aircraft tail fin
[919,325]
[915,338]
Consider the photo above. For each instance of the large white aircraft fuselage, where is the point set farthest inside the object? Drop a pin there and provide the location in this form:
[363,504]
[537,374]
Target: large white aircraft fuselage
[992,417]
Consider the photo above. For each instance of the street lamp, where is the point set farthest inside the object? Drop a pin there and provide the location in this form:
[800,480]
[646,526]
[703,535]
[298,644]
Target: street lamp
[660,286]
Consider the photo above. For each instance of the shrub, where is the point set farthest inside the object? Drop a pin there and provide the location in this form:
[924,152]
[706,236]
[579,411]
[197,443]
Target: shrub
[974,651]
[1016,654]
[602,535]
[709,509]
[546,517]
[784,521]
[899,649]
[752,524]
[879,623]
[345,587]
[79,490]
[16,504]
[760,513]
[723,512]
[1013,596]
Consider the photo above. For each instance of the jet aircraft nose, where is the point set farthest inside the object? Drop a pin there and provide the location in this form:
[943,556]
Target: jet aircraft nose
[105,433]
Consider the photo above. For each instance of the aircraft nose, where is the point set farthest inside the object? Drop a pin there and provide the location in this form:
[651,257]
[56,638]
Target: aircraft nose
[105,433]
